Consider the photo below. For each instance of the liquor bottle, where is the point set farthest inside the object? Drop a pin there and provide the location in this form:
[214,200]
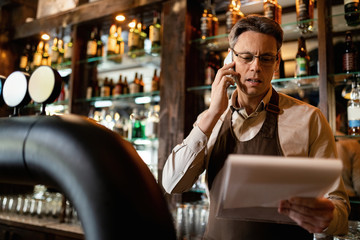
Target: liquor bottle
[112,40]
[69,48]
[105,88]
[141,84]
[352,15]
[272,10]
[61,51]
[349,57]
[206,22]
[305,14]
[99,45]
[45,60]
[152,122]
[24,64]
[142,37]
[155,82]
[155,33]
[302,59]
[118,89]
[91,50]
[38,54]
[120,45]
[134,86]
[233,14]
[54,51]
[126,86]
[215,22]
[353,109]
[133,37]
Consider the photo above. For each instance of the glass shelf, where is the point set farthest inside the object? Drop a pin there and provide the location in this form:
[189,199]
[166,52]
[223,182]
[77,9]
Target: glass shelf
[154,94]
[339,23]
[128,60]
[281,84]
[220,42]
[347,136]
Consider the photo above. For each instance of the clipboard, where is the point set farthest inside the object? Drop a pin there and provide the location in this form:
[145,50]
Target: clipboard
[253,185]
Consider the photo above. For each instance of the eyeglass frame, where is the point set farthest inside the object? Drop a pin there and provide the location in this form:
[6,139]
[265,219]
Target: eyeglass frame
[260,57]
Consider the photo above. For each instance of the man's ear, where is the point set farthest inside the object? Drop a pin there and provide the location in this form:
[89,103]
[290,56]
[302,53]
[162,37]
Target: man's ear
[277,61]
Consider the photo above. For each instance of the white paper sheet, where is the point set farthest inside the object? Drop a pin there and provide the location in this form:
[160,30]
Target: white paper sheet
[256,182]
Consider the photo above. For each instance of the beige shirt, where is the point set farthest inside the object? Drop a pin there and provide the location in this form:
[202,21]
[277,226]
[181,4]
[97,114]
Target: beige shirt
[303,132]
[349,152]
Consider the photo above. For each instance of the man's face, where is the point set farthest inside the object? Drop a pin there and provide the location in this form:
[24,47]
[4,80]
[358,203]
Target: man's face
[256,73]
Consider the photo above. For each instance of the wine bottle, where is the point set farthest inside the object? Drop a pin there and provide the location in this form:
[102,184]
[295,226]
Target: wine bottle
[353,109]
[91,50]
[38,54]
[69,48]
[133,38]
[302,59]
[45,60]
[349,57]
[112,41]
[24,64]
[272,10]
[206,22]
[352,15]
[304,15]
[155,82]
[54,51]
[154,33]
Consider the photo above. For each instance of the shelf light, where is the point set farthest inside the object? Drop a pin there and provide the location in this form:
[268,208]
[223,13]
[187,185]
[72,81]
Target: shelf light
[120,18]
[45,37]
[142,100]
[102,104]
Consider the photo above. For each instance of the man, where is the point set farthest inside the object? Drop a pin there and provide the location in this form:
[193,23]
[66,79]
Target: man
[257,120]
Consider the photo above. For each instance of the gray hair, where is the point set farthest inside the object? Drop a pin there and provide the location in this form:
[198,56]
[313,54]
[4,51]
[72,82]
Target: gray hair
[256,23]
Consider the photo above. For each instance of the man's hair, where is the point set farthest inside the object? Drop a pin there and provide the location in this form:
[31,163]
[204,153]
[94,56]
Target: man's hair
[256,23]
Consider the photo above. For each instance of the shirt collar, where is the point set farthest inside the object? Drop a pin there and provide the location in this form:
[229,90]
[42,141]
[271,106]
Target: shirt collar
[234,106]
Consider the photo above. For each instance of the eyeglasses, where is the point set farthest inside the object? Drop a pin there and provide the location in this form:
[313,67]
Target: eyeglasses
[247,58]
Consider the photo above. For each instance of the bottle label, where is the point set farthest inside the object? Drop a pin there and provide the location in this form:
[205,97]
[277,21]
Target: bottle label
[353,113]
[23,62]
[37,59]
[91,48]
[105,91]
[111,45]
[301,67]
[349,62]
[269,10]
[302,10]
[206,26]
[154,34]
[68,52]
[231,18]
[133,40]
[354,123]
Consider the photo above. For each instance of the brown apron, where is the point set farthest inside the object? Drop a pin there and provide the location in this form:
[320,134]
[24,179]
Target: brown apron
[266,142]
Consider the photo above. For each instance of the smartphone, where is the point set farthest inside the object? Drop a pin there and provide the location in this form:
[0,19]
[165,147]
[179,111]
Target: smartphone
[229,57]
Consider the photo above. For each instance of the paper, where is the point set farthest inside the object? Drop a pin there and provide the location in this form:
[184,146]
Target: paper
[259,182]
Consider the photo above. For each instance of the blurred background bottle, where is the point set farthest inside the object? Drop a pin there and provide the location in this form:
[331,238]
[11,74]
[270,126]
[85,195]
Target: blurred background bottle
[302,59]
[304,15]
[353,109]
[351,8]
[272,10]
[349,60]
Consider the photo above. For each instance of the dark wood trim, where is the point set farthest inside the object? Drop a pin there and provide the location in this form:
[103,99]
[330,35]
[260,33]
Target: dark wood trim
[326,86]
[83,13]
[172,82]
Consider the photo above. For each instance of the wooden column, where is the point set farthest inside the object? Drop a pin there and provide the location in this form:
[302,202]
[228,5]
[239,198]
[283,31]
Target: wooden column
[172,82]
[326,62]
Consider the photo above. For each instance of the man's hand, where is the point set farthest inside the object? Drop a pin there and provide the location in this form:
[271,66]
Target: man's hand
[313,214]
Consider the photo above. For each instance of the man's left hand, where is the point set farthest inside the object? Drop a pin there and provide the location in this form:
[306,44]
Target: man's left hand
[313,214]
